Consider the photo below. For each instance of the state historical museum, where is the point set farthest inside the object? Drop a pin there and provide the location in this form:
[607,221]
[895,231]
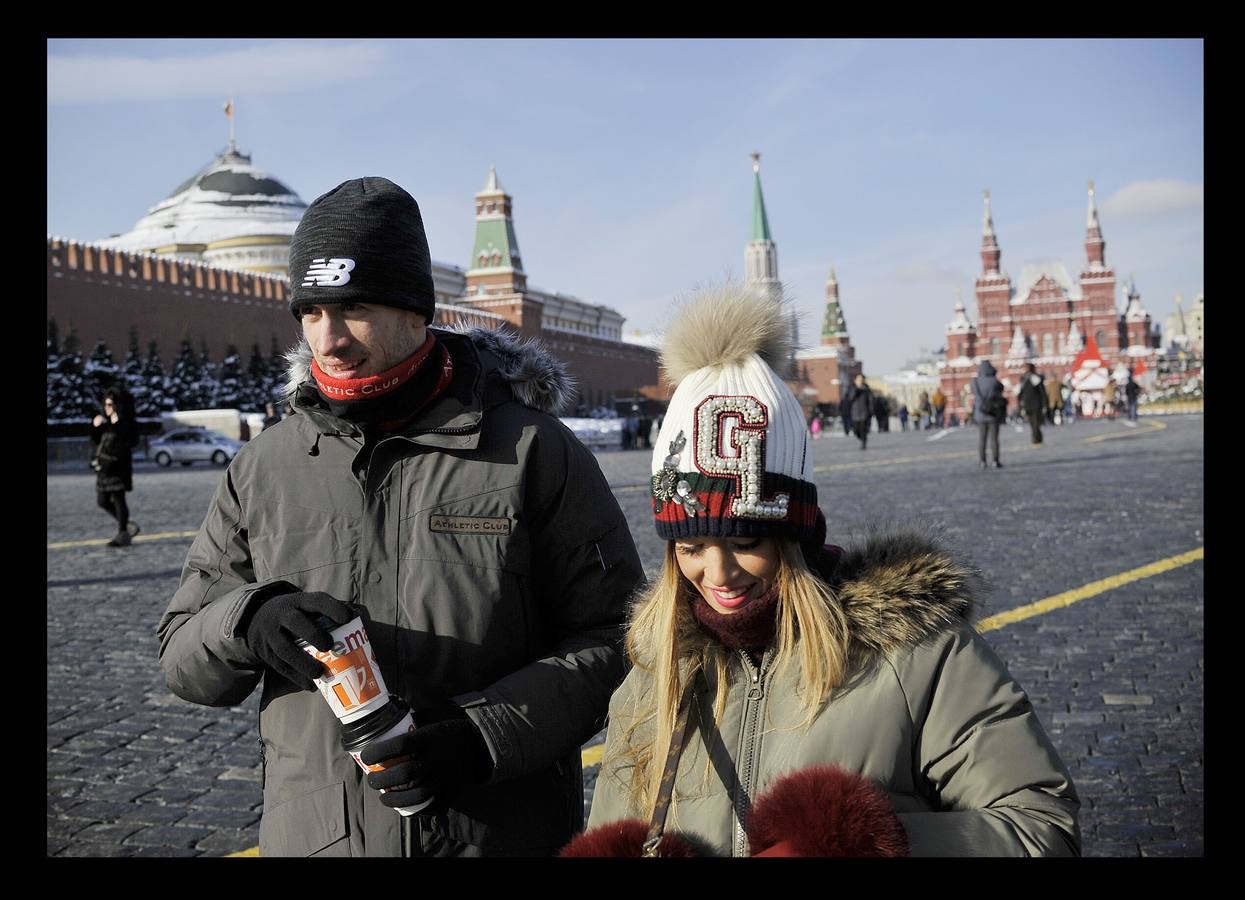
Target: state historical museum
[1044,318]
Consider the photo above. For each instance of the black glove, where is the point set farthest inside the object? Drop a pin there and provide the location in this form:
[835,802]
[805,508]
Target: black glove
[435,760]
[277,624]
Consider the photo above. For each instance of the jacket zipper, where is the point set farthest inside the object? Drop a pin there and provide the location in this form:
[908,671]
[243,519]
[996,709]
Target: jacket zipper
[746,769]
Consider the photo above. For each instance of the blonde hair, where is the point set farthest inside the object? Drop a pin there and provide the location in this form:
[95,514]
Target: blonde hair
[664,640]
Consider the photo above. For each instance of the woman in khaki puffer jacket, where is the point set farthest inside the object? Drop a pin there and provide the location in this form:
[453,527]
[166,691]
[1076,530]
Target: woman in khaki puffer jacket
[839,703]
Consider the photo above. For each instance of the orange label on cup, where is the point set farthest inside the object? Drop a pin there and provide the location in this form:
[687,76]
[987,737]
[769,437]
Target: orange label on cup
[353,679]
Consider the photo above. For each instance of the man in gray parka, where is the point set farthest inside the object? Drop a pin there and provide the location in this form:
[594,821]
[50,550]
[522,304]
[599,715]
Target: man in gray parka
[422,484]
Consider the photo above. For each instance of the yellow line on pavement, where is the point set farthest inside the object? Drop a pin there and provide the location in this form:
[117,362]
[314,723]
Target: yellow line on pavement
[1154,426]
[1067,598]
[100,542]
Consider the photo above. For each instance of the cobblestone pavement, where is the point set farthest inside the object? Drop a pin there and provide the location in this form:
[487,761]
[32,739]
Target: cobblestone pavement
[1117,678]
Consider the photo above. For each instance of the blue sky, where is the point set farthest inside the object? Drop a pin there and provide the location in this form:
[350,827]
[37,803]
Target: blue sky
[628,160]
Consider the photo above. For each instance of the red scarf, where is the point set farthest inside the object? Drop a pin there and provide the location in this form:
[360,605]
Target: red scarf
[372,386]
[384,385]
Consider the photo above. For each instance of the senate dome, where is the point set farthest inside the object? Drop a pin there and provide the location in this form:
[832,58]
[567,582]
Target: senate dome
[229,214]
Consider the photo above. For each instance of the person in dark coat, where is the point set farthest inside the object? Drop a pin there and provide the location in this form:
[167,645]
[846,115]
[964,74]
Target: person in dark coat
[882,412]
[903,417]
[114,434]
[989,410]
[1132,390]
[1033,401]
[271,417]
[858,399]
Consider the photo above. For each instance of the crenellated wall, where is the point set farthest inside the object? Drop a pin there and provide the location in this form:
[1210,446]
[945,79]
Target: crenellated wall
[102,292]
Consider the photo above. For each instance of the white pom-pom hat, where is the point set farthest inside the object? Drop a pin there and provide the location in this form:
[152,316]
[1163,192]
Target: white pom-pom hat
[732,457]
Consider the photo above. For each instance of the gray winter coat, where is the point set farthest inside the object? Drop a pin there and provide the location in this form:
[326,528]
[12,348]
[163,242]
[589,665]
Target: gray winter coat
[985,386]
[518,623]
[929,713]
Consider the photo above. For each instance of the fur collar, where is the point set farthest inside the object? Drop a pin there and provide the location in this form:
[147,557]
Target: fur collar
[900,586]
[536,377]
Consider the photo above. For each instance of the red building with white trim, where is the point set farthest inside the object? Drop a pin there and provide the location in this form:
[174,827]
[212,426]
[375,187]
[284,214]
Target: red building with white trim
[1043,318]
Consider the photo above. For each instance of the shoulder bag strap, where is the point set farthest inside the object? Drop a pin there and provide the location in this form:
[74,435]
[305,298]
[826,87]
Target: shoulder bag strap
[658,823]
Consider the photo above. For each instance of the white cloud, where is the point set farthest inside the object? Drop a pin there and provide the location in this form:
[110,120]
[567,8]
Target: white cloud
[1146,198]
[273,68]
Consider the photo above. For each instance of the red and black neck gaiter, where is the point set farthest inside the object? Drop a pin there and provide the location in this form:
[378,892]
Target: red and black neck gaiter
[391,398]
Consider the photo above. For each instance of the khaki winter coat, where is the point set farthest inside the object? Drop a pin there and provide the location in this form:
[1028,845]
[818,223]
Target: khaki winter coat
[930,714]
[518,619]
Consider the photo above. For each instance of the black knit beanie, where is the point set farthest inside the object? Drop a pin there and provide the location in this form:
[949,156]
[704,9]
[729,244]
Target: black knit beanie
[362,242]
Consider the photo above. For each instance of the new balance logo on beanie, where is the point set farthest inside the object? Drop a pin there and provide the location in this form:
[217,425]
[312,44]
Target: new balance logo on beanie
[362,242]
[328,273]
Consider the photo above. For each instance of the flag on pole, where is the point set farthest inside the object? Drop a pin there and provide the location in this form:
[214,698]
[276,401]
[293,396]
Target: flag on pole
[229,108]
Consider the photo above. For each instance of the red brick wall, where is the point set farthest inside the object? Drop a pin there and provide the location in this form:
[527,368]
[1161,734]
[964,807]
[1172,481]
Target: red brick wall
[101,294]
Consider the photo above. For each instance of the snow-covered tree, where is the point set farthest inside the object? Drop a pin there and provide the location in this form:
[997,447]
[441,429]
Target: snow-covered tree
[274,386]
[230,393]
[256,375]
[184,378]
[135,383]
[157,382]
[205,389]
[67,395]
[100,372]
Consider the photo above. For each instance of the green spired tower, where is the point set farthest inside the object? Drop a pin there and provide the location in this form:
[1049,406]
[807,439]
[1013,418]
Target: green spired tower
[833,326]
[761,254]
[495,265]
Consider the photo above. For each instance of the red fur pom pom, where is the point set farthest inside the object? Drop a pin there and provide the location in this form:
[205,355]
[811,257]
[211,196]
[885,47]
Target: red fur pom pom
[624,838]
[825,811]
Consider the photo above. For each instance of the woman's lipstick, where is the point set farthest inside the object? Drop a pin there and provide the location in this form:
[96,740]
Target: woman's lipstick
[731,597]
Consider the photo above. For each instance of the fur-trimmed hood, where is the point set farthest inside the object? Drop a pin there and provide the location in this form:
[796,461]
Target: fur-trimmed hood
[537,378]
[899,586]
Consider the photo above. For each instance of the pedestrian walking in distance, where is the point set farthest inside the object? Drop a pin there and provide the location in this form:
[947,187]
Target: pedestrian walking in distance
[424,485]
[989,410]
[859,399]
[1132,391]
[938,402]
[1032,401]
[114,434]
[1054,400]
[271,416]
[792,698]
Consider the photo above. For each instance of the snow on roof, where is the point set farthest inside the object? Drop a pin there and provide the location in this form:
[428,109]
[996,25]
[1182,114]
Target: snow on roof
[1032,273]
[226,199]
[650,340]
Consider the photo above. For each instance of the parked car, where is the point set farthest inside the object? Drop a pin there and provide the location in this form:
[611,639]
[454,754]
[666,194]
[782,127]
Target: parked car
[188,445]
